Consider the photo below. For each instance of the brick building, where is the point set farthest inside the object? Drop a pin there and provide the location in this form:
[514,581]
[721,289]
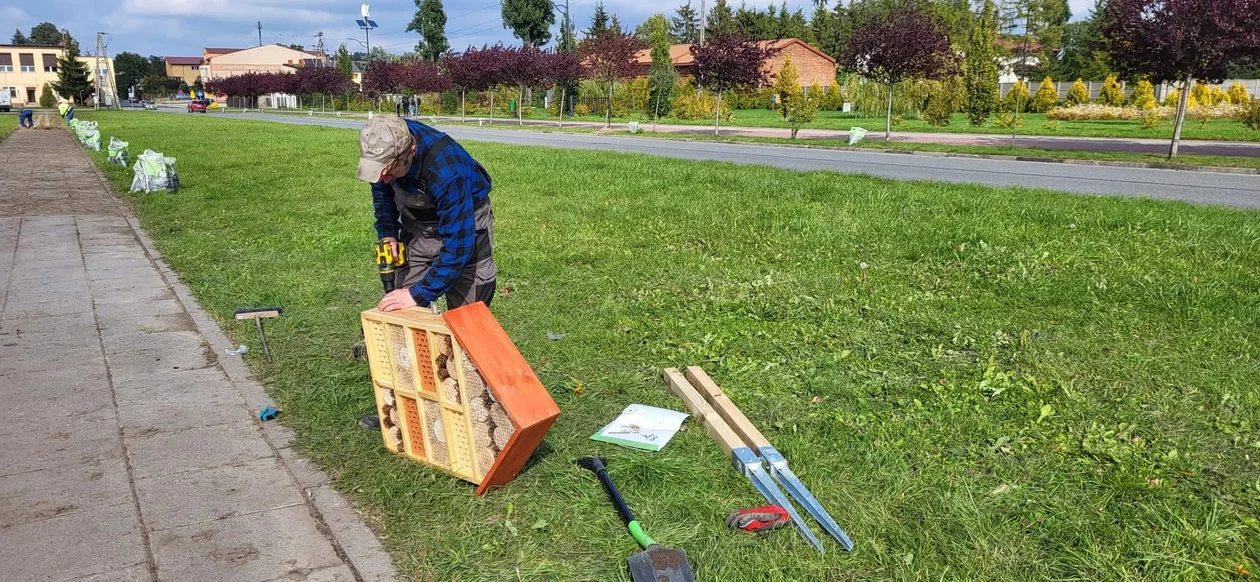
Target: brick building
[813,65]
[218,63]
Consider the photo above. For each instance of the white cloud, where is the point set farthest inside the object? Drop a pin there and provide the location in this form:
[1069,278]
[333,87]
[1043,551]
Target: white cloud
[228,10]
[13,14]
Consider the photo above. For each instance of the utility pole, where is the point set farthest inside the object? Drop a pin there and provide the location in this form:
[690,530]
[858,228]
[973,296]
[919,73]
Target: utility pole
[703,19]
[259,33]
[103,73]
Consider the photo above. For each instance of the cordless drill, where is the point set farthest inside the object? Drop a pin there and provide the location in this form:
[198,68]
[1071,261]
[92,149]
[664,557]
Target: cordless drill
[387,262]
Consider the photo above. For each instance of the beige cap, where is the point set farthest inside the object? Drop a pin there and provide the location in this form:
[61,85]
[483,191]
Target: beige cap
[382,140]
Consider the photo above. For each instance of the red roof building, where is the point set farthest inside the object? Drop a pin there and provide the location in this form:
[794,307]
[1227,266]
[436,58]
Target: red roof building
[813,65]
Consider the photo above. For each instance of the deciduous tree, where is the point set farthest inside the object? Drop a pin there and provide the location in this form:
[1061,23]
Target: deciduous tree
[430,23]
[564,70]
[904,44]
[727,62]
[525,67]
[129,70]
[1180,40]
[610,57]
[530,20]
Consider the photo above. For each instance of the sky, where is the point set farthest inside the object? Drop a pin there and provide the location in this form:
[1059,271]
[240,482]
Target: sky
[183,27]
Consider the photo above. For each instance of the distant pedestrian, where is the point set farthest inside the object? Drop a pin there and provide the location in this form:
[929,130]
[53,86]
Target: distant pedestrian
[398,106]
[411,106]
[26,118]
[66,109]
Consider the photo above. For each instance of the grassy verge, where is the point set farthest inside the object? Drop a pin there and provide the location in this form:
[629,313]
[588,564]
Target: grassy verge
[1044,153]
[8,123]
[1020,385]
[1034,124]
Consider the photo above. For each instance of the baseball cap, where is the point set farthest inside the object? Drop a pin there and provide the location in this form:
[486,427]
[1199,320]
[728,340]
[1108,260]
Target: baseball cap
[382,140]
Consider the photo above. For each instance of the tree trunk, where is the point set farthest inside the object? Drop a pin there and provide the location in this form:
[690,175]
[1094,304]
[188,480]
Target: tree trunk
[794,130]
[563,94]
[491,107]
[717,112]
[888,120]
[463,113]
[657,113]
[608,109]
[520,107]
[1181,118]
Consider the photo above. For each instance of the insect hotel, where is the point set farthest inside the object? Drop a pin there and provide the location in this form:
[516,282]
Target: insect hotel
[452,391]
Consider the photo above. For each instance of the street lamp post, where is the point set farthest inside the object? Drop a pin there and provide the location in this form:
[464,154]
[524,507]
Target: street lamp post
[366,24]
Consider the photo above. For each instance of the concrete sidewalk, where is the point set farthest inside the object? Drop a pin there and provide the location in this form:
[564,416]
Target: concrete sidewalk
[130,447]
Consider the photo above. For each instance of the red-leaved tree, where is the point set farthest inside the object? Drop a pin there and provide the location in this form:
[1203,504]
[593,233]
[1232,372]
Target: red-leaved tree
[564,68]
[382,77]
[524,66]
[490,64]
[904,44]
[727,62]
[610,56]
[459,69]
[1179,41]
[423,77]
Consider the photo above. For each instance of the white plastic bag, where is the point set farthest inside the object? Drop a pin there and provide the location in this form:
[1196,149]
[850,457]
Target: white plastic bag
[154,172]
[93,141]
[117,152]
[856,134]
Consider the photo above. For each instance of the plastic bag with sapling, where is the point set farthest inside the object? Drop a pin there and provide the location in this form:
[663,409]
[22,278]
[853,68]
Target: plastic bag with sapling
[93,140]
[154,172]
[642,427]
[117,151]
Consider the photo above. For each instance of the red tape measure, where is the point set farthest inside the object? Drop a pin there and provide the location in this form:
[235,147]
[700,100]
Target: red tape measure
[758,519]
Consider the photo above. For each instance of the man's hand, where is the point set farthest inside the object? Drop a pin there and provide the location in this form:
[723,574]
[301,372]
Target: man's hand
[393,245]
[397,299]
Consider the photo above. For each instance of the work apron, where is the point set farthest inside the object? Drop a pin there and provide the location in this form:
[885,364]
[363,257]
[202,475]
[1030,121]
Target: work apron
[424,244]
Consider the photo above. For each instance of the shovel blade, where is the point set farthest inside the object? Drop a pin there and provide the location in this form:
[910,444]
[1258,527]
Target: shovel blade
[660,564]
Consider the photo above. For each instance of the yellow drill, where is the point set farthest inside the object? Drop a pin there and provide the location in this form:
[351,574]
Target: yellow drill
[387,262]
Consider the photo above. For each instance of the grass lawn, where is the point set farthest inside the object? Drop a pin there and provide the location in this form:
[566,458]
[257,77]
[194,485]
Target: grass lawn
[1050,154]
[1034,124]
[8,123]
[1022,385]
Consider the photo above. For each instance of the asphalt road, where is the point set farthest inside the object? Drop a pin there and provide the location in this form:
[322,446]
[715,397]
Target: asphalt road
[1233,190]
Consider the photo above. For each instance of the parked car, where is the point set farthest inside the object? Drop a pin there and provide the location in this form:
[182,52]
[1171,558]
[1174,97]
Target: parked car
[6,103]
[197,105]
[150,105]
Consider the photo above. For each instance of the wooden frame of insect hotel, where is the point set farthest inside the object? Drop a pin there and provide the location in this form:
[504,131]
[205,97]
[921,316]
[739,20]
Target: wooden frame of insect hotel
[453,392]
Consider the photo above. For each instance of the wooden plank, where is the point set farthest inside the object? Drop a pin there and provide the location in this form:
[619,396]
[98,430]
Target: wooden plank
[717,428]
[731,413]
[505,370]
[266,313]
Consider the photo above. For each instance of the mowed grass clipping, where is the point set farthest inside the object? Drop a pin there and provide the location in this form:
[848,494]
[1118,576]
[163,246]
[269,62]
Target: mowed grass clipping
[1020,385]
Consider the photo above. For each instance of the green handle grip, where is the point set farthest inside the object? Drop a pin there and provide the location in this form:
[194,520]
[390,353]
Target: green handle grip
[640,536]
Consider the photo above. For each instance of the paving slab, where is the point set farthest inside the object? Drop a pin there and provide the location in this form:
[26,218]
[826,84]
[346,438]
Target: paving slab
[214,494]
[65,490]
[73,546]
[161,452]
[130,449]
[233,549]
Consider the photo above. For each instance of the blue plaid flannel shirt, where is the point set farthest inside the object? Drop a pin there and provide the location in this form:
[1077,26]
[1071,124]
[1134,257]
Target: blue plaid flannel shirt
[455,185]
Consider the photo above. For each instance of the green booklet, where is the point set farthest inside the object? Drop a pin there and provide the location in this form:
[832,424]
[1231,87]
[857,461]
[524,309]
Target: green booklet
[642,427]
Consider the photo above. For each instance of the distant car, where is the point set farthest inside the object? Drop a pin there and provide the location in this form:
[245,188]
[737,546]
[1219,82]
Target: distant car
[150,105]
[197,105]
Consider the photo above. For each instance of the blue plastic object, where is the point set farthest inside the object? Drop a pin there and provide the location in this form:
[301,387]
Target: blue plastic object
[268,413]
